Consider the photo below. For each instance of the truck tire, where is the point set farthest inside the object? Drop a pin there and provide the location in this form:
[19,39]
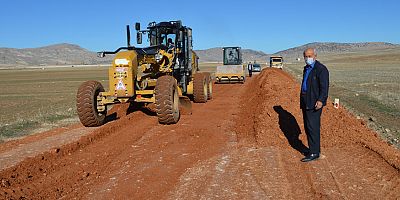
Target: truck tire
[200,88]
[167,100]
[86,104]
[209,86]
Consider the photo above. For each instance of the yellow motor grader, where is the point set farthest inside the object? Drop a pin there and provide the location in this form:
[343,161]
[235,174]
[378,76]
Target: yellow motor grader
[163,76]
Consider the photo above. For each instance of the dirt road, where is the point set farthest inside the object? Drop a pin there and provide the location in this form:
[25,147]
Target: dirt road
[244,144]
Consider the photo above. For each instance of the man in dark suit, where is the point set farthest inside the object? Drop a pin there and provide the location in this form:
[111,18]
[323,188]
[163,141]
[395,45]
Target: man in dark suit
[250,69]
[314,93]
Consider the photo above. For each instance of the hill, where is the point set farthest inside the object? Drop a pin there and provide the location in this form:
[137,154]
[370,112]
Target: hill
[70,54]
[333,47]
[58,54]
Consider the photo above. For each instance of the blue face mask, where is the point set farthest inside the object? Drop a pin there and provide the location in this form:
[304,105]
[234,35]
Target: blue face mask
[310,61]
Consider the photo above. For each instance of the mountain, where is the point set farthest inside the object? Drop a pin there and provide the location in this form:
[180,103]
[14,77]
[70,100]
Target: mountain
[333,47]
[70,54]
[215,55]
[58,54]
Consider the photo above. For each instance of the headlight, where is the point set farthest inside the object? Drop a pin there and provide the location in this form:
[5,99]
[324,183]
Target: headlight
[158,57]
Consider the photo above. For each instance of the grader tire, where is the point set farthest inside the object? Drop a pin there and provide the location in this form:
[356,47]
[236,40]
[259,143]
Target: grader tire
[200,88]
[86,104]
[167,100]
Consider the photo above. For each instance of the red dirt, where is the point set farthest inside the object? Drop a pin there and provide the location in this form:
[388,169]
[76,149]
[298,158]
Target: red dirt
[35,137]
[240,145]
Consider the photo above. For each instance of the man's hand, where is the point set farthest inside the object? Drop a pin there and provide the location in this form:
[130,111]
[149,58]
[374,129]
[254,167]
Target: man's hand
[318,105]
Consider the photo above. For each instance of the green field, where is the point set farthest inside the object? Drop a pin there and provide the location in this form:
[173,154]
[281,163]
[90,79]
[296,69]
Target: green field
[368,83]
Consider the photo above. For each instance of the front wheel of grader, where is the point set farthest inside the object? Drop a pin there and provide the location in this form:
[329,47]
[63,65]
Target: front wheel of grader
[86,104]
[167,100]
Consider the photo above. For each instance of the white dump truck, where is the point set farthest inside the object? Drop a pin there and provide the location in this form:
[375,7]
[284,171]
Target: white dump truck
[276,62]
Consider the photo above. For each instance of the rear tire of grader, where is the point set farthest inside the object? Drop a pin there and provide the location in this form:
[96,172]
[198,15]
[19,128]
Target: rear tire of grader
[86,104]
[200,88]
[167,100]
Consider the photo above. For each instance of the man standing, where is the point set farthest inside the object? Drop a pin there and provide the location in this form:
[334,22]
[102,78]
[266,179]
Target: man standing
[250,69]
[314,93]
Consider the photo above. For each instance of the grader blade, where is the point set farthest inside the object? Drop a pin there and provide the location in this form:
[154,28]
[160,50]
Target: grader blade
[185,106]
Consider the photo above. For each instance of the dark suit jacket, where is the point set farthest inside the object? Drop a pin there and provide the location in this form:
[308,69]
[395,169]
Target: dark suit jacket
[317,86]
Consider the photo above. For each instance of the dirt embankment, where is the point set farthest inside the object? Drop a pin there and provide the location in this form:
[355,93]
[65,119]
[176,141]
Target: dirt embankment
[244,144]
[275,109]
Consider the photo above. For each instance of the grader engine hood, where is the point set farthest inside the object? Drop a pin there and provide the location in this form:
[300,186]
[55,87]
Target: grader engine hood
[122,74]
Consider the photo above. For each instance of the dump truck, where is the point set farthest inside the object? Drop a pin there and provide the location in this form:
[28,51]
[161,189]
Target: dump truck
[276,62]
[162,77]
[232,69]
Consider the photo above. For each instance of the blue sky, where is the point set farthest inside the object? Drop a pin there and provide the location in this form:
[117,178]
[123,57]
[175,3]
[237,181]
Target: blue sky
[268,26]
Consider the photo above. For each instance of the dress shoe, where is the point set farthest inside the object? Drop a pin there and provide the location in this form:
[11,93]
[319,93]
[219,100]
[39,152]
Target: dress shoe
[305,153]
[310,157]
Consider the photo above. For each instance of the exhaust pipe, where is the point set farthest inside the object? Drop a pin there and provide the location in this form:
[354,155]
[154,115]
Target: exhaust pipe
[128,35]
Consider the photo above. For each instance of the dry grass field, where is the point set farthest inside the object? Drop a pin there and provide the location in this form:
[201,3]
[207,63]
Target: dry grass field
[368,84]
[34,100]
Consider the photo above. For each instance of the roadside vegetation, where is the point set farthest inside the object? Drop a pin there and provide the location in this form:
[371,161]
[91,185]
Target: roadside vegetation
[34,100]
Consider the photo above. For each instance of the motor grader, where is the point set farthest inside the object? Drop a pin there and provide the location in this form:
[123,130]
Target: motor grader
[163,76]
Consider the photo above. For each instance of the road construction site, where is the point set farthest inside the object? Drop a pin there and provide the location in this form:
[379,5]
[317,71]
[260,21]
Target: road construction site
[245,143]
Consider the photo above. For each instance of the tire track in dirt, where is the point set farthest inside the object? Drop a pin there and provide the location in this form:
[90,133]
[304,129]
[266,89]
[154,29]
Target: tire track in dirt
[164,157]
[235,175]
[23,151]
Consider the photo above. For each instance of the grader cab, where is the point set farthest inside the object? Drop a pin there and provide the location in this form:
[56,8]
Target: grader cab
[161,76]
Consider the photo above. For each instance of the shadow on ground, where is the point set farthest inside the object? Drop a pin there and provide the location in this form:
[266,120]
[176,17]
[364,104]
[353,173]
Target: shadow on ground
[290,128]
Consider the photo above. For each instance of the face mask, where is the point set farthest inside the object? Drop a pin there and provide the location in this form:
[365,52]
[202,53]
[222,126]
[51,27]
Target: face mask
[310,61]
